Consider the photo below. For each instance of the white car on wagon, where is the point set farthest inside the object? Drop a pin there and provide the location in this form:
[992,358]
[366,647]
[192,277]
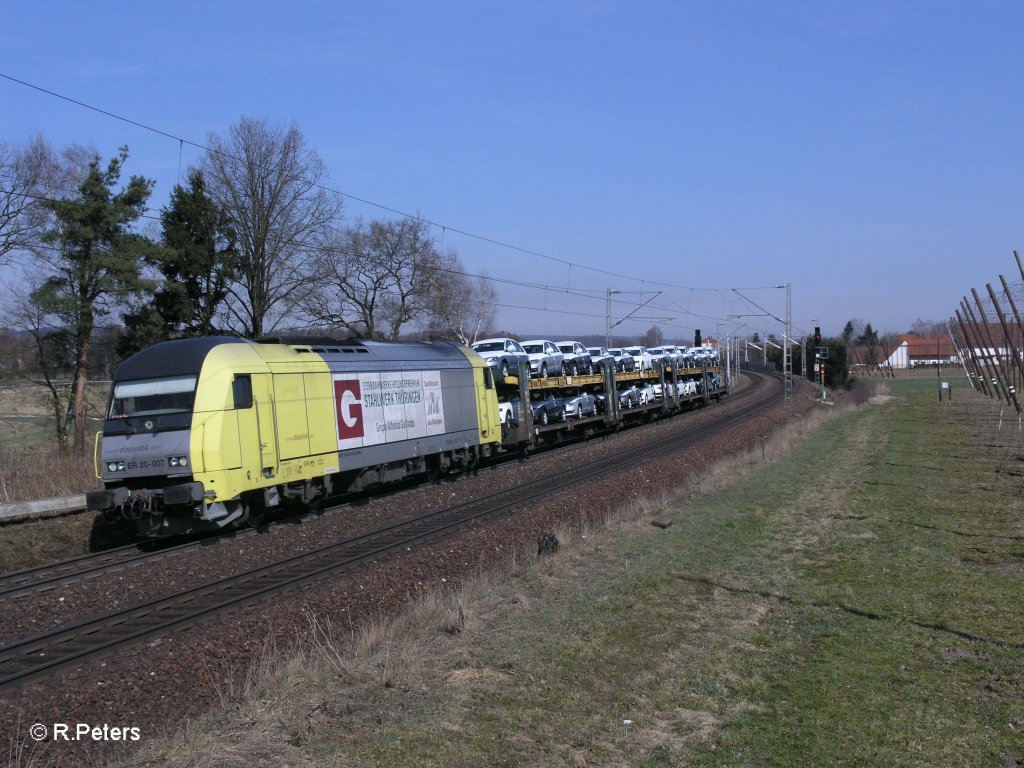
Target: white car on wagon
[576,360]
[643,359]
[545,357]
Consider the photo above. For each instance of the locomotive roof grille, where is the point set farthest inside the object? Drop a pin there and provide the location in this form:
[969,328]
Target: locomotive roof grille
[311,341]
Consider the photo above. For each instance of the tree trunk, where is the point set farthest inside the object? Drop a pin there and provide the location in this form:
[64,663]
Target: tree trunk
[60,425]
[78,399]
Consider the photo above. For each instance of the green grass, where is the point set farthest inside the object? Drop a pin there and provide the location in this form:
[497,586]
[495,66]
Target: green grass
[888,632]
[857,602]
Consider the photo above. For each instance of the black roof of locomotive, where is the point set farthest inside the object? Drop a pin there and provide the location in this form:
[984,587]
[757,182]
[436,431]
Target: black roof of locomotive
[178,357]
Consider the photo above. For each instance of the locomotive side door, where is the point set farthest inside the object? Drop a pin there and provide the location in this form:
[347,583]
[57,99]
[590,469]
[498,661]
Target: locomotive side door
[266,428]
[487,405]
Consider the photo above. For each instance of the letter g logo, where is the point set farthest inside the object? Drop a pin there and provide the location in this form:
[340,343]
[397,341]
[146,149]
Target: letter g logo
[349,406]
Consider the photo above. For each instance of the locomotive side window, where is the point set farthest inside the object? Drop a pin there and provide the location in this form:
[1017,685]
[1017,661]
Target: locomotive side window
[153,396]
[488,380]
[241,388]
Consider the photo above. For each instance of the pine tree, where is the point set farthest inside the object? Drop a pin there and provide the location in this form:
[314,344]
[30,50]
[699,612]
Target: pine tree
[95,259]
[197,258]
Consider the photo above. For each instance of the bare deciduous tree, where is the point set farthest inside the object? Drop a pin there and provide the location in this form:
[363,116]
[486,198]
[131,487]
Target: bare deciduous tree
[29,175]
[375,279]
[270,184]
[15,349]
[462,306]
[47,361]
[653,337]
[927,328]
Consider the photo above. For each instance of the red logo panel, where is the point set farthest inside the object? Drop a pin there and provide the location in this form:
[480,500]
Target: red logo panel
[348,403]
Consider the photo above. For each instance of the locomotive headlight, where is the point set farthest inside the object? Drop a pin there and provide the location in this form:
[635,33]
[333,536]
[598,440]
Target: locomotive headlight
[177,461]
[115,466]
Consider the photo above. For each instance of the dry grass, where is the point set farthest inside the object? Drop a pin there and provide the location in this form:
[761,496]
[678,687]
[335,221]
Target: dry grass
[24,398]
[31,466]
[777,445]
[26,475]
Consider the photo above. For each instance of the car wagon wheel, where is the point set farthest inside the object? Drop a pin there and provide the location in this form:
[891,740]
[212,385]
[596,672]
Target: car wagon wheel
[575,369]
[504,368]
[543,370]
[544,418]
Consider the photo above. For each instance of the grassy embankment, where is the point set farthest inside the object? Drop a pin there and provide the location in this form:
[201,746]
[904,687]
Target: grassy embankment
[855,601]
[31,467]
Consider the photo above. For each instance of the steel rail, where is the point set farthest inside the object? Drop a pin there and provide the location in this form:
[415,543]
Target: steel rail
[43,578]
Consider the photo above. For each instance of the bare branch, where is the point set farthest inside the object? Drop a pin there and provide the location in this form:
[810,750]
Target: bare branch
[462,306]
[375,279]
[269,182]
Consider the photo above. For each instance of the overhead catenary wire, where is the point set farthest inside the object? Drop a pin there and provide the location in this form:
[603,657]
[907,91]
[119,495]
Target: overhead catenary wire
[445,228]
[591,294]
[348,195]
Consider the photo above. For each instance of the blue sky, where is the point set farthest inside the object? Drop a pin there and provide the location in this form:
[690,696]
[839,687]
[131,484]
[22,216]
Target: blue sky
[867,153]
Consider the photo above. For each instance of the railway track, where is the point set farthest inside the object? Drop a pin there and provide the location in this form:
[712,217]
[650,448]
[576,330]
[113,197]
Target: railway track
[37,656]
[53,575]
[39,579]
[43,578]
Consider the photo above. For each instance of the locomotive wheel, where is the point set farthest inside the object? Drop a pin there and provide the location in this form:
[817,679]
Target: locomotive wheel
[256,513]
[434,469]
[316,503]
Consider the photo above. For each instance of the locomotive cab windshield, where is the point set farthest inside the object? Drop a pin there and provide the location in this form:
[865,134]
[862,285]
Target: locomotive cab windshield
[153,397]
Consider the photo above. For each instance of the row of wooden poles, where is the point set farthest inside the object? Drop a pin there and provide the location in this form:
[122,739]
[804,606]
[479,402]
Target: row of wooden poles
[995,369]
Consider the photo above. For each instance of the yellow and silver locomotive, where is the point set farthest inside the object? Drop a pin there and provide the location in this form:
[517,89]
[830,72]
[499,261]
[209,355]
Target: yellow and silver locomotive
[205,433]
